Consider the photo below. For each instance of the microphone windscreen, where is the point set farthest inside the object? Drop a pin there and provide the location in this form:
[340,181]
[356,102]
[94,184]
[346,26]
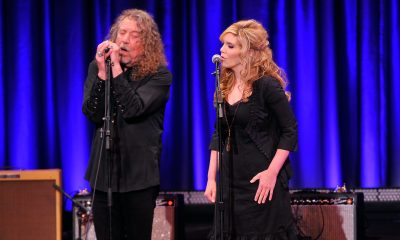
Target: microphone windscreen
[216,58]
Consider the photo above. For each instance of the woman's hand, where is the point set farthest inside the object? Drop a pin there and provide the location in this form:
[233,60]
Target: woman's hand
[211,190]
[266,184]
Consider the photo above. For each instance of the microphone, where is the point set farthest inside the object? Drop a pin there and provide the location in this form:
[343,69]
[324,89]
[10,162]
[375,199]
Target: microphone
[106,50]
[216,58]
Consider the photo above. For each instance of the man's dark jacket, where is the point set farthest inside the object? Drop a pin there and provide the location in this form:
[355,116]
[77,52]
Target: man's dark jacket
[137,124]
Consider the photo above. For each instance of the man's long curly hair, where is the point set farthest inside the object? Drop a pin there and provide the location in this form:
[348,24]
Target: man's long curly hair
[153,54]
[256,56]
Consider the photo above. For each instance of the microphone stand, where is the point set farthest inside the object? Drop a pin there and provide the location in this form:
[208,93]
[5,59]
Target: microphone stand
[219,204]
[107,123]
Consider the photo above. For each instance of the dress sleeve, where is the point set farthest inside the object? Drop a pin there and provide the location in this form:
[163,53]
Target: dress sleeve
[145,99]
[277,101]
[214,145]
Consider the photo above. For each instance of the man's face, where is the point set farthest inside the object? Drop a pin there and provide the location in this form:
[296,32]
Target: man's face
[128,39]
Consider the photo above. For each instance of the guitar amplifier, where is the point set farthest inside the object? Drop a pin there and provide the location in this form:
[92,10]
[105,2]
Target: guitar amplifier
[328,216]
[30,208]
[166,225]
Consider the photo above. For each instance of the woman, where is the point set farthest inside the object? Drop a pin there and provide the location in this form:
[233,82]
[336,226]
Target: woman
[259,131]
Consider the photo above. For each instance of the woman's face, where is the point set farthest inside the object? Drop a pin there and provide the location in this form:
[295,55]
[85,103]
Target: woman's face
[230,52]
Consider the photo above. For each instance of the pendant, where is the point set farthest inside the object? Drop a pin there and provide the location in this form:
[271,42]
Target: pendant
[228,144]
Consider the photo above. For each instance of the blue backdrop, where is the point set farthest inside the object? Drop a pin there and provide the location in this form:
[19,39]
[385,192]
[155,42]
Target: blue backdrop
[342,59]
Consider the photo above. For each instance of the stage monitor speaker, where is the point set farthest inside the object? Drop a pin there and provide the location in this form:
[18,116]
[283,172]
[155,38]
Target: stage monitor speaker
[328,216]
[30,208]
[166,225]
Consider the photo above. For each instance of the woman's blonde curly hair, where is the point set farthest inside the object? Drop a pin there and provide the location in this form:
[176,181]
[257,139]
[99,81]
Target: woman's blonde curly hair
[153,54]
[256,56]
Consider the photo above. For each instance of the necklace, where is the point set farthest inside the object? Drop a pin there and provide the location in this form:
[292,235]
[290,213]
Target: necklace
[228,141]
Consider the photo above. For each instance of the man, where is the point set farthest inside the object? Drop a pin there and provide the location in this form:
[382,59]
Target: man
[139,92]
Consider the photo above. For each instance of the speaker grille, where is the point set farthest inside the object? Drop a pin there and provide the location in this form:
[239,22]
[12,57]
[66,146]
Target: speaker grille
[326,216]
[324,221]
[165,221]
[29,208]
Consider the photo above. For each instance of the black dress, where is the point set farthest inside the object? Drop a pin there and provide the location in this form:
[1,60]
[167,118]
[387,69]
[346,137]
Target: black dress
[244,218]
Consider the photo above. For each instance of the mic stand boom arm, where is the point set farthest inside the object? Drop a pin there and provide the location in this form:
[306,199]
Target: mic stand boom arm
[77,203]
